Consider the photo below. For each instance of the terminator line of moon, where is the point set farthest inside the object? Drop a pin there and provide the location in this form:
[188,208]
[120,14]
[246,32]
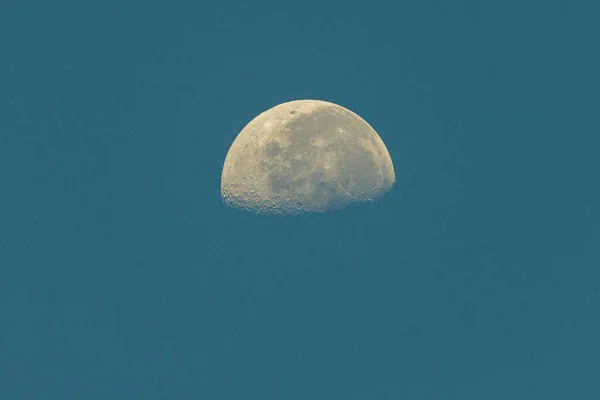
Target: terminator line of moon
[305,156]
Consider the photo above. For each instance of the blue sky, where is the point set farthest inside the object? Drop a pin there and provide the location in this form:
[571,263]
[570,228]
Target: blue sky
[122,274]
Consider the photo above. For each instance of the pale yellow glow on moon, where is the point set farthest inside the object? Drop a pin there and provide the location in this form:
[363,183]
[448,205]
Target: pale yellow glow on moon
[305,156]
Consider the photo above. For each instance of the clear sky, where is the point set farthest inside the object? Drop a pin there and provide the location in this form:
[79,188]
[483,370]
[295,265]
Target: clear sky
[123,276]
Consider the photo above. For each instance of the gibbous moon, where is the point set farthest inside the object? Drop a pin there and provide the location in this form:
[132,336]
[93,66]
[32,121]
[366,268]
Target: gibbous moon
[305,156]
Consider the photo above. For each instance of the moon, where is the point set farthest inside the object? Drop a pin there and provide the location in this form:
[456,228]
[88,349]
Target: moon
[305,156]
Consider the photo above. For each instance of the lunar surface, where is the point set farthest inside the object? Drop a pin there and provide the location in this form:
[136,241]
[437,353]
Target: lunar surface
[305,156]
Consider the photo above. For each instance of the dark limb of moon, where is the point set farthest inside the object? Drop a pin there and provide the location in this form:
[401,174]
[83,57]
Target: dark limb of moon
[305,156]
